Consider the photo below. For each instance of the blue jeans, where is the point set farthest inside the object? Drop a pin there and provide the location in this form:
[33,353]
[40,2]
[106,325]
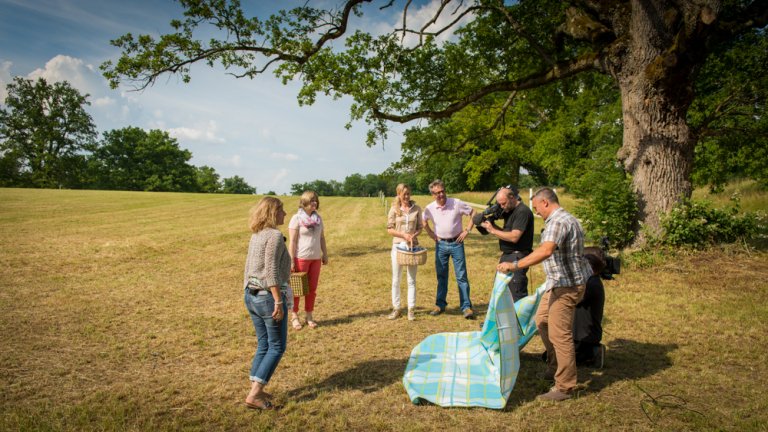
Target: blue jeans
[271,334]
[443,251]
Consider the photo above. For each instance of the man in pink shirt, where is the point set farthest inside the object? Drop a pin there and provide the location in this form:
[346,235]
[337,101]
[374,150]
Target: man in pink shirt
[446,214]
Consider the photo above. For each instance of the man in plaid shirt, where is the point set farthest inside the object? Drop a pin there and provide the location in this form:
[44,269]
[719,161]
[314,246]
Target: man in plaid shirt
[562,252]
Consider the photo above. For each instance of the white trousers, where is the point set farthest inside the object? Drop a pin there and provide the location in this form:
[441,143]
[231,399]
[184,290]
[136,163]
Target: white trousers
[397,270]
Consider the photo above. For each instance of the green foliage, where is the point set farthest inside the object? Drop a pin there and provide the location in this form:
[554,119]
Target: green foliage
[321,187]
[43,133]
[207,179]
[698,224]
[237,185]
[729,115]
[133,159]
[608,207]
[363,185]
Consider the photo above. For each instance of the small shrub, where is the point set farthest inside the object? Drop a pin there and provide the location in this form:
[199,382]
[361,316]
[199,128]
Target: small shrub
[608,207]
[697,224]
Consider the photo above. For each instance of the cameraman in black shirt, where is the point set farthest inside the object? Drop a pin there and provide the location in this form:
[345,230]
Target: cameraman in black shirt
[515,238]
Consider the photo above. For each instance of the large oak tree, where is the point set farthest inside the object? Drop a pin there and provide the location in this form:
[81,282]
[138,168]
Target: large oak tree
[652,49]
[44,134]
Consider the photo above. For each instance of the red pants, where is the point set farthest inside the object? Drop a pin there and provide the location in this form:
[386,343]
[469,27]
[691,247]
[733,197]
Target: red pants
[312,267]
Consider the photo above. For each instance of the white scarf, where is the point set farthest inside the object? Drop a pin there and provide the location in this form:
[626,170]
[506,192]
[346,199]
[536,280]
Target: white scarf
[308,221]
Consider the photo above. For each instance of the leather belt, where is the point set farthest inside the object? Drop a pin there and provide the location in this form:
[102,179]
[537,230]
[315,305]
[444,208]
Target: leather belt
[449,240]
[256,292]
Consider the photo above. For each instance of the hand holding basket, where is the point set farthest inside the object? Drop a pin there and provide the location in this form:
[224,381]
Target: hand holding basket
[411,257]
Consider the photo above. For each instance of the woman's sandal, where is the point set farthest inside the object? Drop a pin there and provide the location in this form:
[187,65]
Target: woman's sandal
[296,323]
[260,404]
[311,324]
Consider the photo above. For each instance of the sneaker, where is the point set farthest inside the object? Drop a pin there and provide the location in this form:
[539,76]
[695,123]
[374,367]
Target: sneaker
[394,315]
[436,311]
[411,315]
[599,359]
[469,314]
[554,395]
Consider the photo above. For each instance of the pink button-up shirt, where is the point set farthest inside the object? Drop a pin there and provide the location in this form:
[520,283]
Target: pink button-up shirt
[447,219]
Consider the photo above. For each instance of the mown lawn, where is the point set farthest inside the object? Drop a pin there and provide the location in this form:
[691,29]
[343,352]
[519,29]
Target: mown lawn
[123,311]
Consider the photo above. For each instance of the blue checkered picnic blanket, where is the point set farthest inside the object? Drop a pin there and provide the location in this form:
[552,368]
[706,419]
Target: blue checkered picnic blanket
[475,368]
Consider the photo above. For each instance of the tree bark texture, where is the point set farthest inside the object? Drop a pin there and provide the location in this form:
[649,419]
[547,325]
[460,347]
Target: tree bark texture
[653,61]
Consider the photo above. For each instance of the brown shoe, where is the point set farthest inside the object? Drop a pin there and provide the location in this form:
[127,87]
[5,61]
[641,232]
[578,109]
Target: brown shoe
[554,395]
[469,313]
[436,311]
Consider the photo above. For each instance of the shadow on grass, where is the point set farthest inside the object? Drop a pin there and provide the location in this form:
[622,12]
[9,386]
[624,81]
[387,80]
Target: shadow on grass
[369,376]
[356,251]
[349,318]
[625,360]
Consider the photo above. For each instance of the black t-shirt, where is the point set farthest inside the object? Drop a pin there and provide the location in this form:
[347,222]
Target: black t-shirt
[520,218]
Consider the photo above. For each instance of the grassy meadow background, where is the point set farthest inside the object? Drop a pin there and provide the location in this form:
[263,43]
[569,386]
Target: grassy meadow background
[124,311]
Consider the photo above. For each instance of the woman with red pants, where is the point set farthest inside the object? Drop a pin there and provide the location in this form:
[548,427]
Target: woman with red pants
[308,252]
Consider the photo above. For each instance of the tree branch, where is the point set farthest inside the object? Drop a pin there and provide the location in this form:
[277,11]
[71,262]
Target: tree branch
[520,30]
[556,73]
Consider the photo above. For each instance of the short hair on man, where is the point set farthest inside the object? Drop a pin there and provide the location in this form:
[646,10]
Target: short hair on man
[436,182]
[547,194]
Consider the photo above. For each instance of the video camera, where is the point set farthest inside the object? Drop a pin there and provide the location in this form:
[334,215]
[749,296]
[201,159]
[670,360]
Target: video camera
[492,211]
[612,264]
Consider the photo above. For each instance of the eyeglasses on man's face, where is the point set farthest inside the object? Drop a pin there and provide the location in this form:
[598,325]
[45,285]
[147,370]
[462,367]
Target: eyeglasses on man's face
[438,192]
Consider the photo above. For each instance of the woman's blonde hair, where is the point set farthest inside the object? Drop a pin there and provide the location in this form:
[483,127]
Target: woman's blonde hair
[397,203]
[264,214]
[307,197]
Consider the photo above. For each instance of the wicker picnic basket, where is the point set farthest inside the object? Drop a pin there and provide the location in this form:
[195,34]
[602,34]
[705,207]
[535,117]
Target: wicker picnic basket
[299,284]
[406,258]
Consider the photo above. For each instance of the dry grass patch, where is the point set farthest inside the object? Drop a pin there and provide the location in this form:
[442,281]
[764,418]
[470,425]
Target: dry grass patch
[123,311]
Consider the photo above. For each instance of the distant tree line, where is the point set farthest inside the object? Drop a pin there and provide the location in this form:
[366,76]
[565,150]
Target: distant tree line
[48,140]
[371,184]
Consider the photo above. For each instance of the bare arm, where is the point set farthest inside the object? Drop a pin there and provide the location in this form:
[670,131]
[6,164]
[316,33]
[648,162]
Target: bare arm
[323,248]
[544,251]
[293,242]
[510,236]
[465,231]
[429,231]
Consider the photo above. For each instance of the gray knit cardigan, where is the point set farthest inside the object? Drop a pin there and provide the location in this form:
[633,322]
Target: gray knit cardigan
[268,258]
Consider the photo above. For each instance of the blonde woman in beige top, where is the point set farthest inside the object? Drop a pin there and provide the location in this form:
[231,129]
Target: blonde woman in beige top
[404,224]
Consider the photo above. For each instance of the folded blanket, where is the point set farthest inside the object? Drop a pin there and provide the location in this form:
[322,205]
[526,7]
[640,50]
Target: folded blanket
[475,368]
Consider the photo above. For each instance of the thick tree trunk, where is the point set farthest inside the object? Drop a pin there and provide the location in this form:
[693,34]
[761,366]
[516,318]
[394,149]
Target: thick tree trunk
[657,151]
[654,71]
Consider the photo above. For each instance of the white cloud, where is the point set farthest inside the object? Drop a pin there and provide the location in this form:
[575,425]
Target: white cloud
[65,68]
[205,133]
[5,79]
[104,101]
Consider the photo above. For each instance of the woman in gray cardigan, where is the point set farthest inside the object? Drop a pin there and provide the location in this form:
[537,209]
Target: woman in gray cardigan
[266,283]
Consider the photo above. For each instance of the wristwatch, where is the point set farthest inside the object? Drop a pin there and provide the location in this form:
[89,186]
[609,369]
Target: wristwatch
[515,267]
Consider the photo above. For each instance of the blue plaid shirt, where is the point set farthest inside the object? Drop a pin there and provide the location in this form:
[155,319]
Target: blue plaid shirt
[566,266]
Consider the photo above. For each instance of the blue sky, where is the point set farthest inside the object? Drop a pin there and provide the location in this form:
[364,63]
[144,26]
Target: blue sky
[251,128]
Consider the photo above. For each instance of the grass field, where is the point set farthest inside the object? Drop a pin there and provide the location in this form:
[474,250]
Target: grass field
[124,311]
